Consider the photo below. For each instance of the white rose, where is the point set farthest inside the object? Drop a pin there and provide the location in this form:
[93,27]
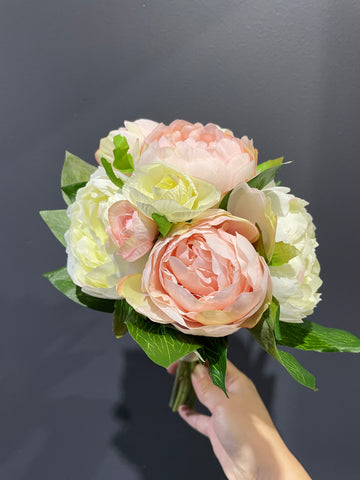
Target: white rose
[296,283]
[92,262]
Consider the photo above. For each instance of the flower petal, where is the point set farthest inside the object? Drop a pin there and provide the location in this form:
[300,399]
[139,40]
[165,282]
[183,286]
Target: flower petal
[252,204]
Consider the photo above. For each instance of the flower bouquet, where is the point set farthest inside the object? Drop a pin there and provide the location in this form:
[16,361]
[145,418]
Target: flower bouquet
[185,239]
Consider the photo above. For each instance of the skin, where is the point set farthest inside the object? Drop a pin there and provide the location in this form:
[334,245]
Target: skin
[242,434]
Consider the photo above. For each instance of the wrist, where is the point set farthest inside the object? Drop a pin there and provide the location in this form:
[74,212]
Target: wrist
[287,466]
[275,463]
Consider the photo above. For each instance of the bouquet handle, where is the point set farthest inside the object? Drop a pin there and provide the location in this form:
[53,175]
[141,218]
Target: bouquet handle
[183,392]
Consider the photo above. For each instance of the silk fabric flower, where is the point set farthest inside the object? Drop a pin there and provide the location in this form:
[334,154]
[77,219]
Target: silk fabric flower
[207,152]
[206,278]
[296,283]
[132,232]
[93,263]
[135,134]
[158,188]
[252,204]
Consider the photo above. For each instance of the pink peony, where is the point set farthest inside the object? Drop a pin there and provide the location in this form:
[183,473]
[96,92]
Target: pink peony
[207,152]
[206,278]
[132,233]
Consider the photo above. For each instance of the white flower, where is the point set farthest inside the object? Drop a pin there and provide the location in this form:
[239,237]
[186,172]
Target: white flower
[135,134]
[92,262]
[296,283]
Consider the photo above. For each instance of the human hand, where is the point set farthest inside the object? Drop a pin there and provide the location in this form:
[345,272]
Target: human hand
[240,429]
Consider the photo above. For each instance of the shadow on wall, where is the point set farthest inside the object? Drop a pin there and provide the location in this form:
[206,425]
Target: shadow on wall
[156,440]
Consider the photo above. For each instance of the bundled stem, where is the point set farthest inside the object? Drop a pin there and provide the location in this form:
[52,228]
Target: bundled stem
[183,392]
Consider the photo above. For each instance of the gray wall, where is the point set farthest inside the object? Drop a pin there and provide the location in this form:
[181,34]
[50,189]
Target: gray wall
[75,403]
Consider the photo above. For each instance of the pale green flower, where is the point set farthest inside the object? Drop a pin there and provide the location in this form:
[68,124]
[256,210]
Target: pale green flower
[159,188]
[92,262]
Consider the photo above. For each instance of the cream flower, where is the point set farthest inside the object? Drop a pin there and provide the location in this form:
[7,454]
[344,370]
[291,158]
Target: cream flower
[135,134]
[252,204]
[93,263]
[296,283]
[159,188]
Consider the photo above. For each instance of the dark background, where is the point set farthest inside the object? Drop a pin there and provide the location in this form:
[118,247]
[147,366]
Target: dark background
[75,403]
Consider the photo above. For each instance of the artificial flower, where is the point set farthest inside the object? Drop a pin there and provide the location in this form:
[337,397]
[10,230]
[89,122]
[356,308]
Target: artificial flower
[132,232]
[207,152]
[134,132]
[159,188]
[295,283]
[92,261]
[206,278]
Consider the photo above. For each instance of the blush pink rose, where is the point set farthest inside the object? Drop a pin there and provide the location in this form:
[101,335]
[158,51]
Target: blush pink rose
[132,233]
[206,278]
[207,152]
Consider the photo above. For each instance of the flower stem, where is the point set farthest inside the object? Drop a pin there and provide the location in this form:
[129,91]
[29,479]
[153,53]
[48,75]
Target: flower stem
[183,392]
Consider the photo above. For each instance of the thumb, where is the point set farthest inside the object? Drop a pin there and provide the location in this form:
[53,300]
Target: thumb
[207,393]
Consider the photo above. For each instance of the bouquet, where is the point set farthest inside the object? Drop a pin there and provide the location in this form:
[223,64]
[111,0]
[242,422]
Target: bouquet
[186,239]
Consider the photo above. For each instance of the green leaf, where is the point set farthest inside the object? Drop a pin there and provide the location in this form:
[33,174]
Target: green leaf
[163,223]
[283,252]
[162,344]
[110,173]
[71,190]
[264,177]
[62,281]
[311,336]
[296,370]
[265,337]
[74,171]
[272,316]
[270,163]
[57,221]
[123,161]
[215,351]
[121,312]
[224,202]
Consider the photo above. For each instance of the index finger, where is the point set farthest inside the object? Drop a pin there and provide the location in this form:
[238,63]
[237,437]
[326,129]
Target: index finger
[173,367]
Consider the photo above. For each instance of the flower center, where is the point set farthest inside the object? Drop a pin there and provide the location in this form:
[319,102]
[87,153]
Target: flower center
[175,187]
